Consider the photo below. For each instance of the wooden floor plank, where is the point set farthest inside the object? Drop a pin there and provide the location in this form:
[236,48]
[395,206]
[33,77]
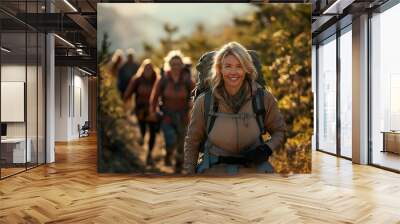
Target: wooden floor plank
[71,191]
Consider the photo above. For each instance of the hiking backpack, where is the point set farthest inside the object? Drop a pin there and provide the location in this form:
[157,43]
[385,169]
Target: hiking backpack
[203,68]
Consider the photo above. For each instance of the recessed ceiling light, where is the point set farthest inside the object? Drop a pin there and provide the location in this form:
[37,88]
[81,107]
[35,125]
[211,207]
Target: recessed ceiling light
[70,5]
[86,72]
[64,40]
[5,50]
[337,7]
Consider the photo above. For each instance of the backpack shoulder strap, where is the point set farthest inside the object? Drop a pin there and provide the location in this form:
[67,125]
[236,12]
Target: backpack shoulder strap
[188,85]
[163,84]
[209,107]
[259,109]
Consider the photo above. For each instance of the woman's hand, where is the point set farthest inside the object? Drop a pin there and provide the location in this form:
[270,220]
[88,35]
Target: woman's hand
[152,117]
[258,155]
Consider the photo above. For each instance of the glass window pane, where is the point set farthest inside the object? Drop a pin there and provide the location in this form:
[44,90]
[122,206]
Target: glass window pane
[23,85]
[327,96]
[346,94]
[13,85]
[31,97]
[41,98]
[386,89]
[313,81]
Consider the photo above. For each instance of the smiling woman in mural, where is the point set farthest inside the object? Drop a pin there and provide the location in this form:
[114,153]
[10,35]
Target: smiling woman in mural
[228,119]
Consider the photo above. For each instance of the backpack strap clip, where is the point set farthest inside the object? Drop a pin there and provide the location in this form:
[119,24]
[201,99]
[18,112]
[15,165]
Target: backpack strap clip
[259,109]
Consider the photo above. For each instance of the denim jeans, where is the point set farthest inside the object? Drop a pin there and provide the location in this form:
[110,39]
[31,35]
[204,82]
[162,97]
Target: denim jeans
[174,137]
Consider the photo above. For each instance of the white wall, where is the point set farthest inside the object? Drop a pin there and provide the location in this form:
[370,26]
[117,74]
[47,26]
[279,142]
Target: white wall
[71,94]
[61,103]
[80,111]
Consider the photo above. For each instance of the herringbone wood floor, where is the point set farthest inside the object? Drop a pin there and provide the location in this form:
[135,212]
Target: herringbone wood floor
[71,191]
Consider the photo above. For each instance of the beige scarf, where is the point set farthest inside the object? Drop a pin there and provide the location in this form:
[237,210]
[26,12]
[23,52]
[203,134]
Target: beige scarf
[236,101]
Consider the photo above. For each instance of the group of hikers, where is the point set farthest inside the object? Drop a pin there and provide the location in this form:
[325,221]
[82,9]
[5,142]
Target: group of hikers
[213,126]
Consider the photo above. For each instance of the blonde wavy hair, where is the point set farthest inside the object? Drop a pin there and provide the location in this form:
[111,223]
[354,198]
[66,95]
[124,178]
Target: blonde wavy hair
[240,52]
[145,62]
[117,60]
[171,55]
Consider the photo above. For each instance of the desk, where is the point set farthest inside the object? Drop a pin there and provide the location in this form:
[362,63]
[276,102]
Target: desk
[391,141]
[13,150]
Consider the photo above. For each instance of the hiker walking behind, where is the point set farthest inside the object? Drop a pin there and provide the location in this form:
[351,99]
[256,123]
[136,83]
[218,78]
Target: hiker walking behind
[141,85]
[230,116]
[173,90]
[126,72]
